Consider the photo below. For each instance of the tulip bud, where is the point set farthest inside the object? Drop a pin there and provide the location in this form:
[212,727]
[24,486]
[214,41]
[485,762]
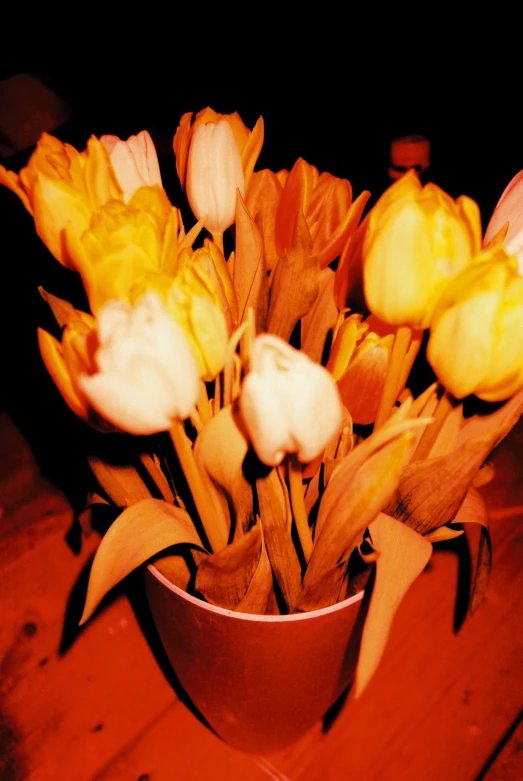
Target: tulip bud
[509,214]
[214,174]
[417,239]
[289,403]
[147,374]
[134,161]
[476,339]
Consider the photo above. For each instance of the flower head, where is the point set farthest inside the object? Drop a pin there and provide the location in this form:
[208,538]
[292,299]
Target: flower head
[476,340]
[146,371]
[62,187]
[214,174]
[417,238]
[507,217]
[135,162]
[289,403]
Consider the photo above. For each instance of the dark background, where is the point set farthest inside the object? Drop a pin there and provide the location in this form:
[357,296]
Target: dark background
[329,90]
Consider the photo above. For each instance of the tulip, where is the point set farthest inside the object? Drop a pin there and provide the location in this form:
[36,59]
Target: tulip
[62,187]
[508,216]
[476,339]
[191,302]
[289,403]
[209,265]
[214,174]
[67,361]
[123,242]
[249,143]
[134,161]
[262,200]
[359,361]
[327,205]
[147,375]
[417,239]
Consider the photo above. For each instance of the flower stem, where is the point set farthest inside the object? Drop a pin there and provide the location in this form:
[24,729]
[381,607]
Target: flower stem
[218,240]
[294,469]
[429,436]
[201,498]
[395,374]
[410,357]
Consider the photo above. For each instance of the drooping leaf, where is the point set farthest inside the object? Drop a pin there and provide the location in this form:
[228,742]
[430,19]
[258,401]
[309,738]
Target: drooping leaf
[430,492]
[320,319]
[225,577]
[122,483]
[403,554]
[219,450]
[295,283]
[334,496]
[474,510]
[497,424]
[353,504]
[275,513]
[260,598]
[85,518]
[139,532]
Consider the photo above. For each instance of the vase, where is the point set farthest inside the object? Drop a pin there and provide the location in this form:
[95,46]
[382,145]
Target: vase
[260,682]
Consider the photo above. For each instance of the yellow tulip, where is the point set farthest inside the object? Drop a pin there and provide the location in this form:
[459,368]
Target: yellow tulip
[248,142]
[476,339]
[209,265]
[124,242]
[193,304]
[417,239]
[62,187]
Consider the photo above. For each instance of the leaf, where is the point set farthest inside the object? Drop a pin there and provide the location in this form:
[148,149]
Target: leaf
[276,517]
[474,510]
[357,501]
[403,555]
[121,483]
[497,423]
[248,268]
[260,598]
[155,472]
[430,492]
[61,309]
[225,577]
[295,283]
[345,471]
[85,518]
[222,466]
[442,534]
[320,319]
[139,532]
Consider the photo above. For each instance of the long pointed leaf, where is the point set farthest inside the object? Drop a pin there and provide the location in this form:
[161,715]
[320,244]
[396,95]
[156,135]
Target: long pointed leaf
[359,501]
[403,554]
[224,578]
[139,532]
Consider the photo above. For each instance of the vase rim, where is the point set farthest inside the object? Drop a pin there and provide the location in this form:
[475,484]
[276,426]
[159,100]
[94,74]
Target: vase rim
[253,616]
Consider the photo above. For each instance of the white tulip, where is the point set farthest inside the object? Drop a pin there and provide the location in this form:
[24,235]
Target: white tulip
[147,373]
[214,173]
[134,161]
[289,403]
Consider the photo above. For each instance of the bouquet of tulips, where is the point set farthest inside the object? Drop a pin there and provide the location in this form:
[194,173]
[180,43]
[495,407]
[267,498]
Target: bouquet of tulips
[266,362]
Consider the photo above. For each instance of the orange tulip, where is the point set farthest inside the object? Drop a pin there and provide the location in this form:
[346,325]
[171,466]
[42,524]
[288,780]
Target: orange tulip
[325,201]
[359,363]
[62,187]
[73,357]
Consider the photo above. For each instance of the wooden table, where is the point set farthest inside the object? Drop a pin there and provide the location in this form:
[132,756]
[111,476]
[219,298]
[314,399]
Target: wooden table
[95,704]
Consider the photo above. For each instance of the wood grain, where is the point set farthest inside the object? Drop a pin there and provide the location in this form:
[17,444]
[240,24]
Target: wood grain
[442,705]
